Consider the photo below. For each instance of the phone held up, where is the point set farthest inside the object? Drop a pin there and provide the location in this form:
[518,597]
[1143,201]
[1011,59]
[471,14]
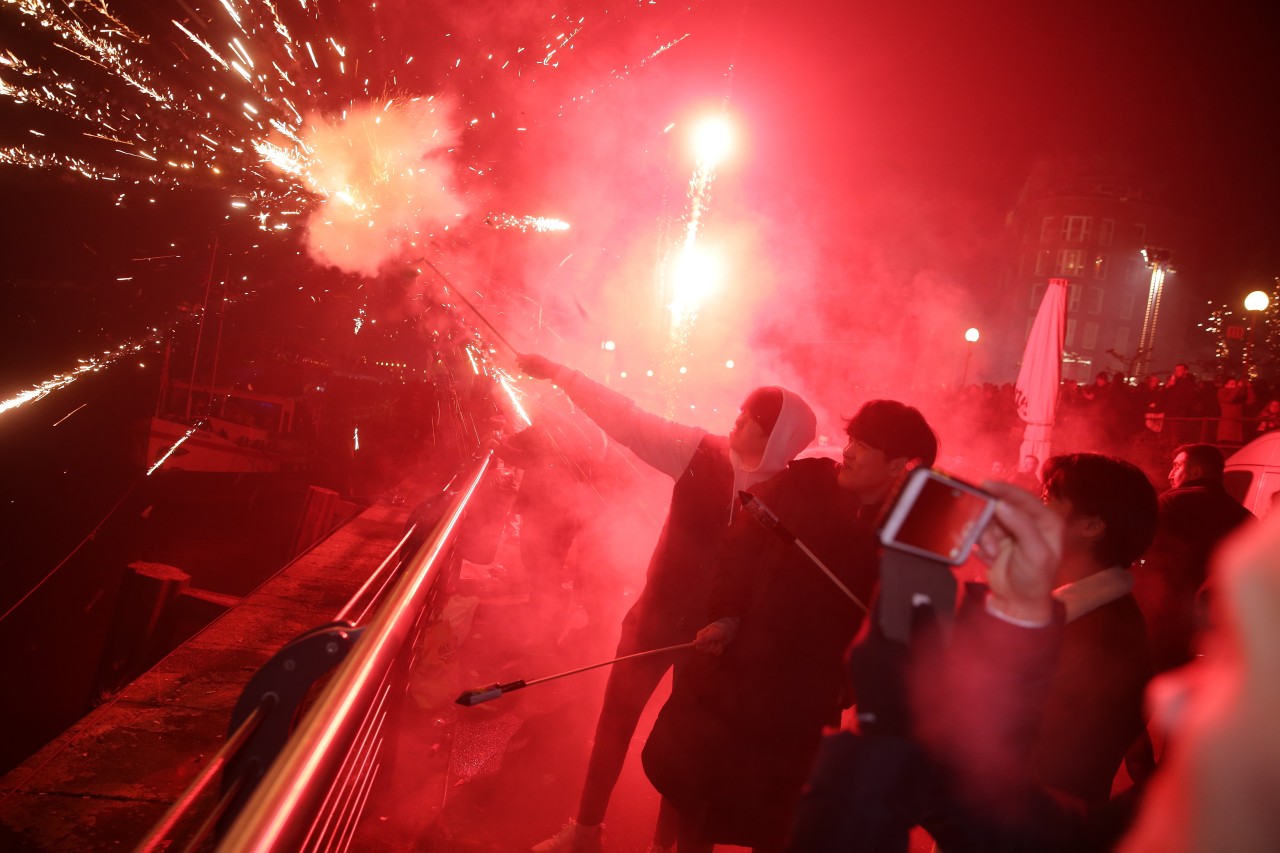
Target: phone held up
[933,525]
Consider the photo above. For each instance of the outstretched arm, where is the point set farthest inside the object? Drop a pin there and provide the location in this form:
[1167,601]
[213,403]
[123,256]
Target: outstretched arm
[658,442]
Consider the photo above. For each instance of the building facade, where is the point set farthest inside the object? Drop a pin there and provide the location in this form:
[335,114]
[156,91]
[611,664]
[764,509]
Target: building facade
[1088,221]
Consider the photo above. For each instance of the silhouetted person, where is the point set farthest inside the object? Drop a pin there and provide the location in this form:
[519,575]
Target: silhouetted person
[1196,514]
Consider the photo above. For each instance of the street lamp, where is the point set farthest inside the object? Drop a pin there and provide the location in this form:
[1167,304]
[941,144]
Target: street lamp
[970,335]
[1255,303]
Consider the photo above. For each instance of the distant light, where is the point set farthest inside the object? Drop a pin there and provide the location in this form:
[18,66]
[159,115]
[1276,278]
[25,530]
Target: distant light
[684,370]
[1257,301]
[729,364]
[623,374]
[609,345]
[971,335]
[648,373]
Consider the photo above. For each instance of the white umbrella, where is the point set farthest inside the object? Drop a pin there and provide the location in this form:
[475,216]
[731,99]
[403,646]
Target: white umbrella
[1041,372]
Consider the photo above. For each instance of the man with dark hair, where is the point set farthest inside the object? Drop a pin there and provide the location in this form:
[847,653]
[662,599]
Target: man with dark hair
[732,747]
[1196,514]
[709,471]
[1094,712]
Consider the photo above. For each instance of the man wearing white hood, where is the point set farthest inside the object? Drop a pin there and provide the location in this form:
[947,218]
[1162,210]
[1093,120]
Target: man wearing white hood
[709,470]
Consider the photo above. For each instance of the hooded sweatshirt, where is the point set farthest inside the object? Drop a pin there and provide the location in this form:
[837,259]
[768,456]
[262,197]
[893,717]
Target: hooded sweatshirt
[707,479]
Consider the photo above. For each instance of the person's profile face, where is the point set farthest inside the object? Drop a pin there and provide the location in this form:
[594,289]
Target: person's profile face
[747,437]
[865,469]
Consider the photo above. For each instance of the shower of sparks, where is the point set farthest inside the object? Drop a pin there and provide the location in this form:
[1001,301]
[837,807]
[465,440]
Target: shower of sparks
[696,273]
[515,400]
[475,368]
[355,439]
[359,321]
[62,380]
[149,111]
[541,224]
[231,96]
[175,446]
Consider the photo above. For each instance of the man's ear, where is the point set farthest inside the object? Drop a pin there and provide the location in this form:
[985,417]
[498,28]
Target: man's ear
[1089,526]
[902,464]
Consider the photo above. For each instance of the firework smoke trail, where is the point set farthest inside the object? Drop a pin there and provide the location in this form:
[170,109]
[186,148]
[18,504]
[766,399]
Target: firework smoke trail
[91,365]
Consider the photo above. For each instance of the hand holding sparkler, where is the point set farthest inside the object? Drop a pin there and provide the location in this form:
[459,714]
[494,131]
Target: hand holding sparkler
[537,366]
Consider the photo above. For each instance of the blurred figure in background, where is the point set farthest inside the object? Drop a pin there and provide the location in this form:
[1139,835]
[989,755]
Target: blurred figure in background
[1219,787]
[1196,514]
[1233,396]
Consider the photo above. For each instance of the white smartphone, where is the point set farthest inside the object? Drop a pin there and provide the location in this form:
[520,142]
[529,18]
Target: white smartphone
[937,516]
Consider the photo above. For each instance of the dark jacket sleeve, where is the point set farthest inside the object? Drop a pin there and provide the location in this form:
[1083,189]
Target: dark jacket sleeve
[978,708]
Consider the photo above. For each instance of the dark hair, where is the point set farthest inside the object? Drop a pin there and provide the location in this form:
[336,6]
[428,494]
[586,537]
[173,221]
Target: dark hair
[1113,490]
[896,429]
[763,406]
[1206,457]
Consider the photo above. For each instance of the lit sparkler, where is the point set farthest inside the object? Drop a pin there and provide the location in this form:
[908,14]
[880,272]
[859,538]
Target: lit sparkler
[511,395]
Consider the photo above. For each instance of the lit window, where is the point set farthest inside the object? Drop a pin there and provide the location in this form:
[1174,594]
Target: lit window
[1070,262]
[1100,267]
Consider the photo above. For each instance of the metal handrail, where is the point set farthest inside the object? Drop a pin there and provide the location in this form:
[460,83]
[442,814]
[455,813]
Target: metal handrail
[159,836]
[279,814]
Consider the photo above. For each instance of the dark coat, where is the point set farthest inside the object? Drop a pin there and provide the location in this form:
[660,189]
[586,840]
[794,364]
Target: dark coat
[732,747]
[1094,712]
[1194,519]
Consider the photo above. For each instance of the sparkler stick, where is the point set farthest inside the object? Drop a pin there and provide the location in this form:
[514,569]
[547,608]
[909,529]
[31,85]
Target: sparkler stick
[474,309]
[477,695]
[769,521]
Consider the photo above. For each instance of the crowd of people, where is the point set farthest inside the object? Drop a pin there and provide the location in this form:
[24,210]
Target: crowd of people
[801,721]
[1225,410]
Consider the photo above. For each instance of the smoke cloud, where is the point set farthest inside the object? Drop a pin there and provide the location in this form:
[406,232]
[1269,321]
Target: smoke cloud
[386,179]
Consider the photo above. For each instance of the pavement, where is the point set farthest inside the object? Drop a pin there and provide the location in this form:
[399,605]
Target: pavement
[496,777]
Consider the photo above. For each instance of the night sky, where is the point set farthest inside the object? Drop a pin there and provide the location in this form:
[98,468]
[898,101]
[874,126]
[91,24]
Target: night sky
[879,146]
